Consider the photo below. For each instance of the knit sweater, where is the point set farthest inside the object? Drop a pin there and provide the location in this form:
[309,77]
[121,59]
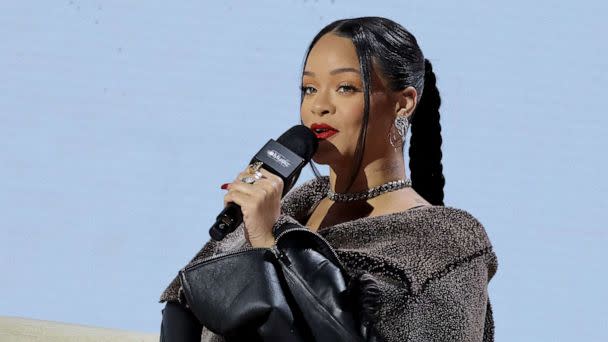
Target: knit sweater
[433,265]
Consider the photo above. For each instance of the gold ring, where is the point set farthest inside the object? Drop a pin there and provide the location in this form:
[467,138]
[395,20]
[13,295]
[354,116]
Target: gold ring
[253,168]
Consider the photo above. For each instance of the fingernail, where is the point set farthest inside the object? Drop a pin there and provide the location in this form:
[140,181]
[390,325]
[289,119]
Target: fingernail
[225,186]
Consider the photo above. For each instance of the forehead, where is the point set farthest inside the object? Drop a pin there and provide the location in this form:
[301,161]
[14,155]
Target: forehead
[331,52]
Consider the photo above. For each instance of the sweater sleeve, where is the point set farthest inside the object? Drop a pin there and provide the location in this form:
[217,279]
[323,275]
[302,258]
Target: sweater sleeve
[453,306]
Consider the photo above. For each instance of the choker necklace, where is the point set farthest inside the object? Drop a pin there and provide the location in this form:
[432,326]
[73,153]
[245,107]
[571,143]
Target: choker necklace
[369,193]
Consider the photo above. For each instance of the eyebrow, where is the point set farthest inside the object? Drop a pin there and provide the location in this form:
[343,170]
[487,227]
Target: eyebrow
[333,72]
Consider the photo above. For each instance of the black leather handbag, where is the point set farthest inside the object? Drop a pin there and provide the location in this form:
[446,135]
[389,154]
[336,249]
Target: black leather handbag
[298,290]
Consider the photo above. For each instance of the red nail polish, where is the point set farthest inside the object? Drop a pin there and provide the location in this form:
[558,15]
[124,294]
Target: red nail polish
[225,186]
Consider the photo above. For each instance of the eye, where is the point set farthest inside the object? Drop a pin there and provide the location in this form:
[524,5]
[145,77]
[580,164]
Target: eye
[304,89]
[348,87]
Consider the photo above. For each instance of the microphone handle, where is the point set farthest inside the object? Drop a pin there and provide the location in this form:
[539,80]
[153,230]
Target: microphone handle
[227,221]
[276,159]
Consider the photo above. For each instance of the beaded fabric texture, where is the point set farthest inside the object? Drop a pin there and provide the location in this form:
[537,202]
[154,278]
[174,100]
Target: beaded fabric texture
[432,263]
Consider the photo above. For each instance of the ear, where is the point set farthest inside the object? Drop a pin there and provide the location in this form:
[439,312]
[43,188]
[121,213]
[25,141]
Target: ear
[406,101]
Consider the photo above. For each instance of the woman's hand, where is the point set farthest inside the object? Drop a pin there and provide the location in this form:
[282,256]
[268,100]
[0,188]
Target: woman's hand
[260,204]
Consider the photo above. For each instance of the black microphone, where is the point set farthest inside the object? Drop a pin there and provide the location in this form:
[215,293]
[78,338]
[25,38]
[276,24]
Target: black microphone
[285,158]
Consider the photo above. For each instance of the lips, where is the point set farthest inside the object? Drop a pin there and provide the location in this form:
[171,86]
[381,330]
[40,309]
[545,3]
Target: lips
[322,130]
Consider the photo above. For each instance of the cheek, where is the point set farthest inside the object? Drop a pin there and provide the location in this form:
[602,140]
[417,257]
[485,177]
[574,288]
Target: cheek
[377,134]
[379,125]
[382,111]
[306,116]
[352,115]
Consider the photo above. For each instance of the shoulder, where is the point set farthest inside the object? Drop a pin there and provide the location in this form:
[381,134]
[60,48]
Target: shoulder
[466,240]
[452,237]
[451,228]
[419,244]
[459,225]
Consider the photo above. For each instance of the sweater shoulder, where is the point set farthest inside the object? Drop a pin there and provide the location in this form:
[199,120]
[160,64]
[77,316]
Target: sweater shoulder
[454,237]
[470,248]
[415,245]
[459,225]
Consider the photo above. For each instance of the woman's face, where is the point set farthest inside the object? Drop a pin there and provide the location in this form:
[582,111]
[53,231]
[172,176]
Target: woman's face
[333,95]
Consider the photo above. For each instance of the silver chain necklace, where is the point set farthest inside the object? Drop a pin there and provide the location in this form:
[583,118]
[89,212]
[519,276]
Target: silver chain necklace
[369,193]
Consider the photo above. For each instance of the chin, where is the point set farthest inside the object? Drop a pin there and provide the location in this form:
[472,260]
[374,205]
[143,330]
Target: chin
[327,153]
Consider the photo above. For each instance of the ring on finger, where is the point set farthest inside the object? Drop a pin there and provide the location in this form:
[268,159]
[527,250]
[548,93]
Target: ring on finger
[253,168]
[248,179]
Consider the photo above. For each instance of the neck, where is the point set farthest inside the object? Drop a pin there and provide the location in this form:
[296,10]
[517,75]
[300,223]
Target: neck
[371,174]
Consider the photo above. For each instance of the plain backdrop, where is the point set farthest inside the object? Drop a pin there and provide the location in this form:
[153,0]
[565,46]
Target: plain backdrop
[119,120]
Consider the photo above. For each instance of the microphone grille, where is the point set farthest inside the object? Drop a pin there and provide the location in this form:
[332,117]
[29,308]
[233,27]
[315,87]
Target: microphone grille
[300,140]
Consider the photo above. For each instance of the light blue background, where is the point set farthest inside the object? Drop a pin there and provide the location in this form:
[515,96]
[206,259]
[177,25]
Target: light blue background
[119,120]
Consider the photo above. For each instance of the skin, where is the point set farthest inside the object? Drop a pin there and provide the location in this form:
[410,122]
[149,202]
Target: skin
[337,99]
[260,204]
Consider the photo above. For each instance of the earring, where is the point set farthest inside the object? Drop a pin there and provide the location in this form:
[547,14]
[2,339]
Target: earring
[402,124]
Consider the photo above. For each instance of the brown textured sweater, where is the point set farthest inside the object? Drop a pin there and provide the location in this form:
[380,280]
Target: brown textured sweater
[433,264]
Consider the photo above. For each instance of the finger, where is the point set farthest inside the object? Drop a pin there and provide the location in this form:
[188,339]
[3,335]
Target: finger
[265,187]
[270,175]
[257,176]
[262,188]
[249,170]
[246,173]
[237,197]
[277,182]
[241,176]
[249,189]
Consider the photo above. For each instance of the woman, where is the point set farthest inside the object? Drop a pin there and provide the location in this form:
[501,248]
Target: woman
[365,83]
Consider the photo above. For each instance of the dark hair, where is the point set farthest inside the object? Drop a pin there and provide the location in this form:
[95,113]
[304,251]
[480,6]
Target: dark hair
[396,53]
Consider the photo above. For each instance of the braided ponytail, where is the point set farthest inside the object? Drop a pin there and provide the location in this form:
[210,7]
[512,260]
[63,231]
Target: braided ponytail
[425,142]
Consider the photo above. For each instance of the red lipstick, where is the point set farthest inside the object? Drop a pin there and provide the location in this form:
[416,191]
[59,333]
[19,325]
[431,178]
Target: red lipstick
[322,130]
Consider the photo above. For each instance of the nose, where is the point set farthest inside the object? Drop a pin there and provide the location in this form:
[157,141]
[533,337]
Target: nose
[322,104]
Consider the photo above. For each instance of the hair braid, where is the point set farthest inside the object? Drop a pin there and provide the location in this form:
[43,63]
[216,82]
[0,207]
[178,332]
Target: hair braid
[425,142]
